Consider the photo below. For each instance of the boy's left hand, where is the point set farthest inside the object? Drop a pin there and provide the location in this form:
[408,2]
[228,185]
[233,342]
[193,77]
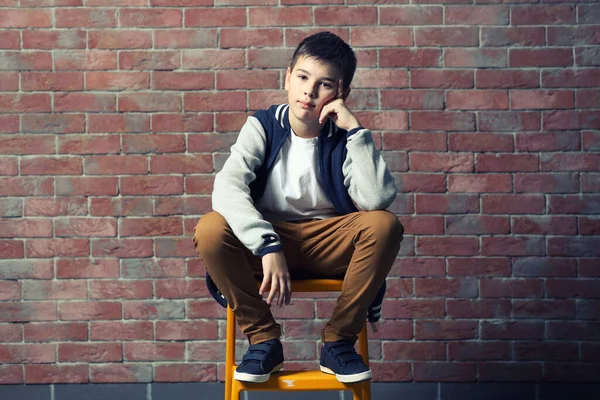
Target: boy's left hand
[338,112]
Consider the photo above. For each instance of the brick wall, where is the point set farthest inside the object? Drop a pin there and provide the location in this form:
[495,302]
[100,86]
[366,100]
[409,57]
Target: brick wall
[114,116]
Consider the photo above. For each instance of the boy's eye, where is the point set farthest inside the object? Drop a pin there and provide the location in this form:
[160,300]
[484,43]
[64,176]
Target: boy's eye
[303,77]
[326,84]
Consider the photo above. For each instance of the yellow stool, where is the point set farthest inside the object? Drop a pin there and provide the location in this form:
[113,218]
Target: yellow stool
[295,380]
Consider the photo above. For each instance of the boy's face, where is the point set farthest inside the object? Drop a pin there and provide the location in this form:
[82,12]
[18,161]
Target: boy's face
[310,85]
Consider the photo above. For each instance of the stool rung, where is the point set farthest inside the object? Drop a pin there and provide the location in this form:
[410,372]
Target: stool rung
[298,380]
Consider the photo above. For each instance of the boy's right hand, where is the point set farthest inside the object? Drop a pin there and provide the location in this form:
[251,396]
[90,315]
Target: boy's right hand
[277,276]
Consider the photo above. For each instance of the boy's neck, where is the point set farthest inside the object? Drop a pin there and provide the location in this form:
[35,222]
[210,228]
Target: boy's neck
[303,129]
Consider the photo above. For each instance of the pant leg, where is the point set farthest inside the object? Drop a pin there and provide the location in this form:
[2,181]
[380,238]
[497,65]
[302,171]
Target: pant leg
[361,245]
[234,269]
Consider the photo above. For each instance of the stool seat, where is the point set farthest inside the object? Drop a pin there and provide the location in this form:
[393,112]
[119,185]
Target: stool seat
[297,380]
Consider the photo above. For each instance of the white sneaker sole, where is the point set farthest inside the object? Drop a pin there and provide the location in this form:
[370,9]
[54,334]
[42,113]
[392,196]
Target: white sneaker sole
[244,377]
[362,376]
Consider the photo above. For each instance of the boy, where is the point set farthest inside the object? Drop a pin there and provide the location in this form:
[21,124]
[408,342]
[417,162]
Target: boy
[302,193]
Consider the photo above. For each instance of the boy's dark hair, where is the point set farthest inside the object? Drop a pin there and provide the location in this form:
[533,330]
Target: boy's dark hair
[330,49]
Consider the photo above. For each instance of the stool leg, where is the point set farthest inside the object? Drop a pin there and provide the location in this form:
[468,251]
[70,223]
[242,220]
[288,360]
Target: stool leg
[363,347]
[229,353]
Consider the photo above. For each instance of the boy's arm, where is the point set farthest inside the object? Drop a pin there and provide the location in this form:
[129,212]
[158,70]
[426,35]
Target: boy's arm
[231,194]
[370,184]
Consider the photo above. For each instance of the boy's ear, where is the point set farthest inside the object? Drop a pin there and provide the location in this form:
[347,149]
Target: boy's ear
[288,72]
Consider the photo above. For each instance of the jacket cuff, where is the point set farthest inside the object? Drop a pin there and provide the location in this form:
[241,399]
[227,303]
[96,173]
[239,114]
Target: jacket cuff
[353,131]
[270,249]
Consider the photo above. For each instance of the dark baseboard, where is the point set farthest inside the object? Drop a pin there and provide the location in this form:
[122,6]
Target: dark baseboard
[379,391]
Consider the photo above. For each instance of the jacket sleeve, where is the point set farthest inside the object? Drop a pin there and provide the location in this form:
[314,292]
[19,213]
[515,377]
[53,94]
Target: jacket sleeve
[231,194]
[369,182]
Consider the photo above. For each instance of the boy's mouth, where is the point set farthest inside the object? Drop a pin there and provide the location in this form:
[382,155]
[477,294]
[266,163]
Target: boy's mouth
[305,105]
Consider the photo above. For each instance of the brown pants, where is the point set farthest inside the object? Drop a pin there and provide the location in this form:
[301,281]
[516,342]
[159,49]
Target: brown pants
[360,246]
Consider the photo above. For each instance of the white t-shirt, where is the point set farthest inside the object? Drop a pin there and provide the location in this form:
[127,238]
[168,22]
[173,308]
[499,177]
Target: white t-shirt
[293,190]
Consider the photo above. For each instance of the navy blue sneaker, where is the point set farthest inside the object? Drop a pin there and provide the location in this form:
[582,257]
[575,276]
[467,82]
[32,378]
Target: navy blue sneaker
[259,361]
[341,359]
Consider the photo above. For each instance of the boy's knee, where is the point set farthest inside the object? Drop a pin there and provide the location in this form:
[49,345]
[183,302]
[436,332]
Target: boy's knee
[385,225]
[209,232]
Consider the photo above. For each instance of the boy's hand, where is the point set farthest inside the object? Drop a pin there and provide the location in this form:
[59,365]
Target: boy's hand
[338,112]
[275,272]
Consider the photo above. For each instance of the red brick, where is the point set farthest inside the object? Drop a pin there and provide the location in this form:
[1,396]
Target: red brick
[420,266]
[54,290]
[117,80]
[151,185]
[121,373]
[145,102]
[11,333]
[293,36]
[26,18]
[150,268]
[412,99]
[513,246]
[85,60]
[588,98]
[46,39]
[185,38]
[183,206]
[213,59]
[269,57]
[544,225]
[477,15]
[423,141]
[90,352]
[589,226]
[118,123]
[447,204]
[86,186]
[178,123]
[543,15]
[343,16]
[568,120]
[546,183]
[441,162]
[150,18]
[30,186]
[576,162]
[10,40]
[25,103]
[477,100]
[444,372]
[51,81]
[188,372]
[150,227]
[186,330]
[380,78]
[439,120]
[122,331]
[475,58]
[590,183]
[154,351]
[543,309]
[86,144]
[423,225]
[10,290]
[26,269]
[548,141]
[122,248]
[508,121]
[85,102]
[215,17]
[502,79]
[9,166]
[107,39]
[90,310]
[481,308]
[412,15]
[433,78]
[541,99]
[475,224]
[25,228]
[443,287]
[41,123]
[181,289]
[414,351]
[9,123]
[244,38]
[209,308]
[573,35]
[258,79]
[153,143]
[544,267]
[570,78]
[414,308]
[510,287]
[478,351]
[121,289]
[479,183]
[48,374]
[84,268]
[478,266]
[27,311]
[421,183]
[11,249]
[85,227]
[167,80]
[580,246]
[515,330]
[572,288]
[380,36]
[447,246]
[445,330]
[540,57]
[120,206]
[410,58]
[52,166]
[447,36]
[38,60]
[587,56]
[181,163]
[55,332]
[480,142]
[506,162]
[220,101]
